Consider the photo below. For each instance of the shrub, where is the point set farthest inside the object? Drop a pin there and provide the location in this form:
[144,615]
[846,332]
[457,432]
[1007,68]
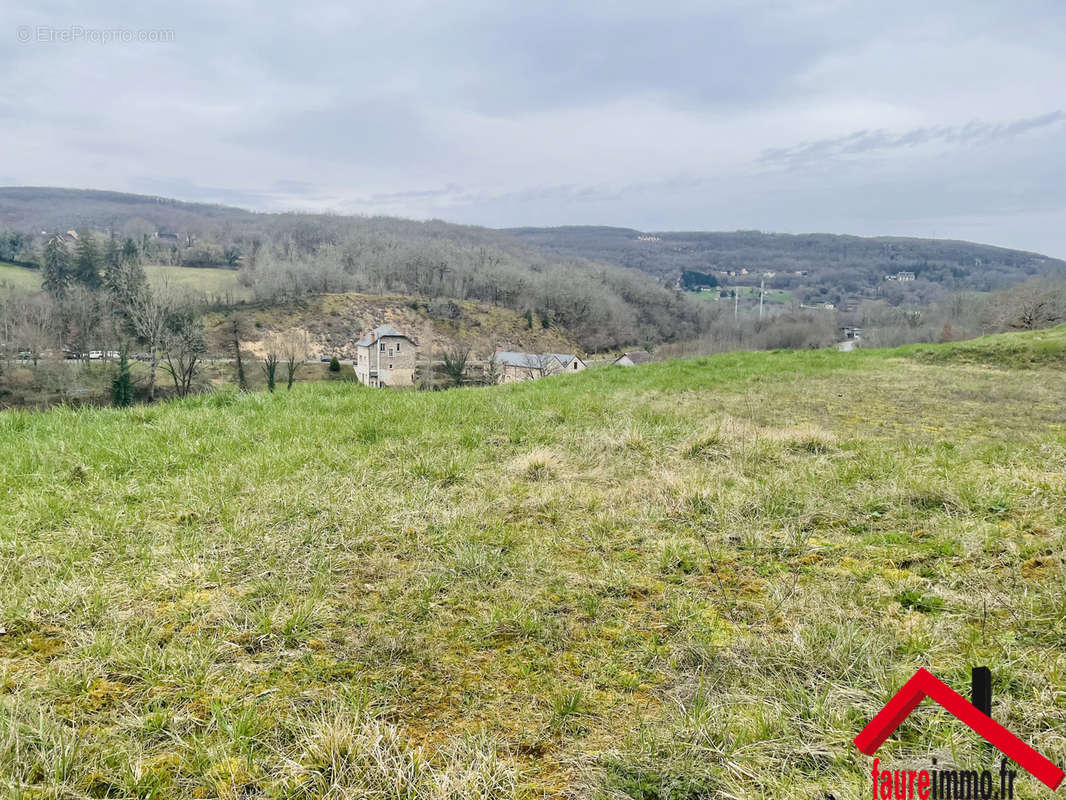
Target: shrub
[334,365]
[122,385]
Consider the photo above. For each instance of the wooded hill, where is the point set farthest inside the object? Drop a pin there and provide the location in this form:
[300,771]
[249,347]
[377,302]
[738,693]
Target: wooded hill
[592,282]
[283,257]
[836,267]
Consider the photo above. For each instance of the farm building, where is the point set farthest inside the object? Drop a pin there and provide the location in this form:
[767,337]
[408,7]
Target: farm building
[632,359]
[527,366]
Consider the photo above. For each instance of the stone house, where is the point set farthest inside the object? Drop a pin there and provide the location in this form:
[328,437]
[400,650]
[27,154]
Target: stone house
[385,357]
[528,366]
[632,359]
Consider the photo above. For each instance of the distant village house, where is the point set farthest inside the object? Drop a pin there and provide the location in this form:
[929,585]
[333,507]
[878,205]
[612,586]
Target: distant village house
[632,359]
[529,366]
[385,357]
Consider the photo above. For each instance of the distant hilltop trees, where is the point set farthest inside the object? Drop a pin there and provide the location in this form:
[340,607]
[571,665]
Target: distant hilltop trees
[810,266]
[692,280]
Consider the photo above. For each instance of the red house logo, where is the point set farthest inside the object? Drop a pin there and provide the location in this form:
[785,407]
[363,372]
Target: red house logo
[925,684]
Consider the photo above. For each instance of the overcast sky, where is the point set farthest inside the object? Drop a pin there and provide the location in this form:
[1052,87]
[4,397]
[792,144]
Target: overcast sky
[907,117]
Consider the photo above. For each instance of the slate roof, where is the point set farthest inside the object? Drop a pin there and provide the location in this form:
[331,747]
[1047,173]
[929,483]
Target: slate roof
[532,360]
[379,333]
[637,357]
[526,360]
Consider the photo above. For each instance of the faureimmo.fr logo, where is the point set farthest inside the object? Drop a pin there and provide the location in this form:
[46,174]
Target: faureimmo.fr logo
[919,783]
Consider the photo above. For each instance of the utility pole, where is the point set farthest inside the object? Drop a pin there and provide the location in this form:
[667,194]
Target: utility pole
[736,304]
[762,294]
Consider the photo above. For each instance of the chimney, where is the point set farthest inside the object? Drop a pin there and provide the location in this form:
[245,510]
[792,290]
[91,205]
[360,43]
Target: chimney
[499,348]
[373,336]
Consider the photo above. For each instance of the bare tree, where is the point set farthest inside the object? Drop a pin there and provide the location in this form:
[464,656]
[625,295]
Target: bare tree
[539,365]
[82,319]
[493,371]
[1030,306]
[7,329]
[148,311]
[35,327]
[295,348]
[427,377]
[236,330]
[184,346]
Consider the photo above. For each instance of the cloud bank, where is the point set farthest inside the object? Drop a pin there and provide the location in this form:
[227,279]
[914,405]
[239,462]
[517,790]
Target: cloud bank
[908,118]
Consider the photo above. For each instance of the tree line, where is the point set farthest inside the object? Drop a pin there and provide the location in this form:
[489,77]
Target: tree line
[94,295]
[280,258]
[1035,304]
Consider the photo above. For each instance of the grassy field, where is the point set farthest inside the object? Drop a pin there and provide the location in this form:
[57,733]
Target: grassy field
[683,580]
[774,296]
[18,279]
[213,282]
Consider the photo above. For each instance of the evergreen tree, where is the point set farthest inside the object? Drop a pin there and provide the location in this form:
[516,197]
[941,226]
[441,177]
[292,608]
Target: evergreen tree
[125,280]
[87,262]
[130,253]
[112,254]
[112,263]
[122,385]
[55,267]
[270,369]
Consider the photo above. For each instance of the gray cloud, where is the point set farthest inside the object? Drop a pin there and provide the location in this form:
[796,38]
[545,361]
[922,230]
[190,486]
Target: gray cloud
[862,142]
[786,115]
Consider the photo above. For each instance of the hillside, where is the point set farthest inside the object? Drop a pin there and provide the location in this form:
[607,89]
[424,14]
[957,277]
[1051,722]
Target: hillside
[690,579]
[836,267]
[33,208]
[335,322]
[280,257]
[603,288]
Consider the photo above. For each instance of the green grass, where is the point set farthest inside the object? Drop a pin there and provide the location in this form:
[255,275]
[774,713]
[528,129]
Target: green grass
[214,282]
[1010,350]
[16,278]
[779,296]
[689,579]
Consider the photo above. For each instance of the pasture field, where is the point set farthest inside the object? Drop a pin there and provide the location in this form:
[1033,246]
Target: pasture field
[216,283]
[773,296]
[693,579]
[14,278]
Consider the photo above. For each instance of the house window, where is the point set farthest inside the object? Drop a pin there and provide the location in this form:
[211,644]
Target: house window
[397,347]
[382,347]
[390,365]
[575,364]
